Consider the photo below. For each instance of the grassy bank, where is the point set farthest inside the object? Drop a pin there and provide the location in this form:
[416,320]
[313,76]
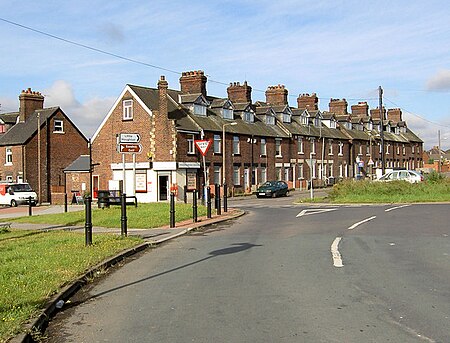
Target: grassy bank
[144,216]
[351,191]
[35,266]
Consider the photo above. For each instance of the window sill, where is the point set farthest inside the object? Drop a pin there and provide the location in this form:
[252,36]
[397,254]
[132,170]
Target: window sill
[127,119]
[238,154]
[59,132]
[263,155]
[217,153]
[300,153]
[8,164]
[279,156]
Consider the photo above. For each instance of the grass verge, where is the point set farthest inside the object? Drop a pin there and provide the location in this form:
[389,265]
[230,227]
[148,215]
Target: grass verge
[364,191]
[36,266]
[142,217]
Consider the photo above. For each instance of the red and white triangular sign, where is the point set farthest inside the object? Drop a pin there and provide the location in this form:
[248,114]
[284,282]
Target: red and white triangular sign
[203,145]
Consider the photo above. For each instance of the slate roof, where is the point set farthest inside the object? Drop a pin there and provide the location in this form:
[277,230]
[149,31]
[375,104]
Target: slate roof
[9,118]
[81,164]
[21,132]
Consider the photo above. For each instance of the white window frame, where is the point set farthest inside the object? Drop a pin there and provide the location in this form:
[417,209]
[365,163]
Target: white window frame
[9,157]
[387,148]
[263,147]
[286,118]
[313,146]
[330,147]
[127,109]
[58,126]
[199,110]
[300,146]
[341,149]
[236,176]
[278,147]
[217,174]
[227,113]
[249,117]
[270,120]
[191,144]
[300,171]
[217,144]
[263,174]
[236,145]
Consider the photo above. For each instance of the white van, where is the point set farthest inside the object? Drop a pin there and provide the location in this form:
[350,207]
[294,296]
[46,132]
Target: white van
[14,194]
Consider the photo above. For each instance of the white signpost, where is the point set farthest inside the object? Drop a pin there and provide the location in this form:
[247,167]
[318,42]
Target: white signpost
[129,138]
[128,143]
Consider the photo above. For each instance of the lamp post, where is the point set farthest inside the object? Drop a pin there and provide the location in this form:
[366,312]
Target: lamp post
[223,149]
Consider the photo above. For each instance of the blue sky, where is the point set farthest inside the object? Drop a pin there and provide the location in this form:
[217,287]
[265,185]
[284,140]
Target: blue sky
[337,49]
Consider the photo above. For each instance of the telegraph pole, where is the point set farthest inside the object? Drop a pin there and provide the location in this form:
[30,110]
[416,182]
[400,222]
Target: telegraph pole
[380,96]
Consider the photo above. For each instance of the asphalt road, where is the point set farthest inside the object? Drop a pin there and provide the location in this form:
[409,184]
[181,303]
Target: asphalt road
[282,273]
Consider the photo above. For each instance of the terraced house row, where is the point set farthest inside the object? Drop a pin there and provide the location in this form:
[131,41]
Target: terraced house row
[251,141]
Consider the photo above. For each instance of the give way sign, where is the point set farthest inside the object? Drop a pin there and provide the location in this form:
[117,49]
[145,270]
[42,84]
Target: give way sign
[203,145]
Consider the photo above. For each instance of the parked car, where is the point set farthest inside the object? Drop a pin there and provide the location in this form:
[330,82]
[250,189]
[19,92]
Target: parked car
[406,175]
[272,189]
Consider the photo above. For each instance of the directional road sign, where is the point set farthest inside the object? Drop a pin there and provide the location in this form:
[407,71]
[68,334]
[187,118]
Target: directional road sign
[129,138]
[130,148]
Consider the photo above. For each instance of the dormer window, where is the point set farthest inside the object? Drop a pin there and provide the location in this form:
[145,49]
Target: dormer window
[317,122]
[227,113]
[270,120]
[127,110]
[286,118]
[200,110]
[249,117]
[332,124]
[370,126]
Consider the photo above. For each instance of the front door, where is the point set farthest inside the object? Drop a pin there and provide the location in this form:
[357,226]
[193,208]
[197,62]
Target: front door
[163,187]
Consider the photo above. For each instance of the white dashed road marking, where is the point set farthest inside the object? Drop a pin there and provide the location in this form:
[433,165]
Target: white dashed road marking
[337,259]
[395,208]
[361,222]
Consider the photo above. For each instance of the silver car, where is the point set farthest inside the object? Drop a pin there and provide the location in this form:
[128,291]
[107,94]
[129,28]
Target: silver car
[406,175]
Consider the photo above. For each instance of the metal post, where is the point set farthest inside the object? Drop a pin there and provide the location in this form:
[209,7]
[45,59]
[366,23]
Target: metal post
[216,192]
[172,209]
[185,194]
[88,223]
[219,210]
[208,202]
[383,162]
[225,197]
[123,217]
[65,202]
[194,207]
[30,212]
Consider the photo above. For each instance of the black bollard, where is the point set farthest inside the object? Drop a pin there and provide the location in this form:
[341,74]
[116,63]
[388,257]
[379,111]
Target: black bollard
[208,202]
[216,198]
[185,194]
[65,202]
[225,197]
[219,209]
[172,210]
[88,223]
[123,217]
[194,207]
[30,212]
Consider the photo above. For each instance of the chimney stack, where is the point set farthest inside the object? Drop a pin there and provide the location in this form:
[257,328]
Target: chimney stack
[164,133]
[29,101]
[375,113]
[193,82]
[361,110]
[308,102]
[276,95]
[238,93]
[394,115]
[338,106]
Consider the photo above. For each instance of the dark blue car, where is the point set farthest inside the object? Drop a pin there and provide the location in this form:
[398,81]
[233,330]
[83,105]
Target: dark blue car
[272,189]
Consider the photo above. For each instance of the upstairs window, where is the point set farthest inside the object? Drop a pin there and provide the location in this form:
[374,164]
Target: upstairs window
[403,149]
[304,120]
[127,110]
[263,147]
[332,124]
[249,117]
[236,149]
[317,121]
[286,118]
[227,113]
[58,126]
[330,147]
[270,120]
[341,149]
[217,144]
[313,146]
[277,146]
[191,146]
[9,156]
[200,110]
[300,145]
[2,128]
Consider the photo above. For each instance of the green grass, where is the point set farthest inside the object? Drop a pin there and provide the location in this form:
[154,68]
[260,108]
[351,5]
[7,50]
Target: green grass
[141,217]
[364,191]
[36,266]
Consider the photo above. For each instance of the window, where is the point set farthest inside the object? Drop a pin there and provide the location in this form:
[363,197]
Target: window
[236,176]
[304,120]
[286,118]
[200,110]
[263,174]
[263,147]
[387,149]
[398,149]
[59,126]
[341,149]
[227,113]
[300,171]
[278,147]
[413,148]
[217,144]
[127,110]
[236,149]
[287,174]
[379,145]
[368,150]
[313,146]
[2,128]
[217,175]
[270,120]
[278,173]
[331,170]
[360,149]
[9,157]
[300,145]
[191,146]
[341,170]
[317,121]
[249,117]
[330,147]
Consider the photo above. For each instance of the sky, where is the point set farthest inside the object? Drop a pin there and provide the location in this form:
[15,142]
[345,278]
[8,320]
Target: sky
[81,54]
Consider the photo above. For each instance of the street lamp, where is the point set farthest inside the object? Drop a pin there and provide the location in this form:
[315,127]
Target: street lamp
[223,150]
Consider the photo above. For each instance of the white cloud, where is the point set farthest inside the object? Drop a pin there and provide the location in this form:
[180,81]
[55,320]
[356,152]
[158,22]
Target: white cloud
[440,81]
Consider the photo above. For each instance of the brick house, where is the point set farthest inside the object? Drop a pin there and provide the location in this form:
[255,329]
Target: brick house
[39,145]
[263,140]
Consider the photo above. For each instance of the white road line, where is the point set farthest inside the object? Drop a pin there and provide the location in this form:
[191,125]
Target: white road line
[337,259]
[361,222]
[310,211]
[395,208]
